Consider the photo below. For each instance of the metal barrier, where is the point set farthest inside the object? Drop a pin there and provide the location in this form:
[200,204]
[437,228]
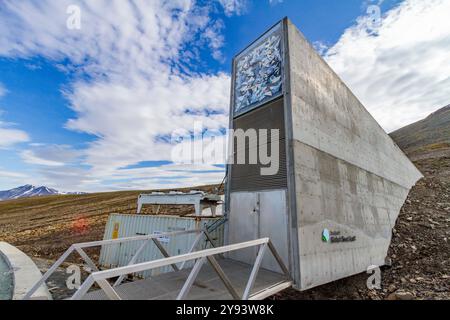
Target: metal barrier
[101,277]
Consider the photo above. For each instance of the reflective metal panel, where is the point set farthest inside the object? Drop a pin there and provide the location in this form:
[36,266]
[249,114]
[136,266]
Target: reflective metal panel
[259,72]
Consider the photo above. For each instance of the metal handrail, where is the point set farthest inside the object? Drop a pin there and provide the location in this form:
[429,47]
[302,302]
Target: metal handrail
[101,277]
[78,247]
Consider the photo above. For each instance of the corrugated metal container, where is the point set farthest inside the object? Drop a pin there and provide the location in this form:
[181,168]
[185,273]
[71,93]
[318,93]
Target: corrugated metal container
[126,225]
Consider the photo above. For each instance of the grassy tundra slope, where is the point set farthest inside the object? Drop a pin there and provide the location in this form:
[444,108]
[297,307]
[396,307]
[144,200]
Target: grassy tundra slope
[47,226]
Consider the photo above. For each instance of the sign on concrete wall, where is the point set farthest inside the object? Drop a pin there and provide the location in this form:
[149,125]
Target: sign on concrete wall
[259,72]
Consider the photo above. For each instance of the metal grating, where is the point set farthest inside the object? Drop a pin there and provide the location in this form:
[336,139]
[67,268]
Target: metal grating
[248,177]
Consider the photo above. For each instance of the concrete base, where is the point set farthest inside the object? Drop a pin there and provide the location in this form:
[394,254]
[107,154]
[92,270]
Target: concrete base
[26,274]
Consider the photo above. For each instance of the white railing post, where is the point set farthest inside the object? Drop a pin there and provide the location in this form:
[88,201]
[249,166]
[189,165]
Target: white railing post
[132,261]
[109,291]
[256,266]
[86,258]
[194,245]
[87,284]
[49,273]
[191,279]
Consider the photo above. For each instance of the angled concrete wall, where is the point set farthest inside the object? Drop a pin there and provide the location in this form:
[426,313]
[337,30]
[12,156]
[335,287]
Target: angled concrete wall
[350,177]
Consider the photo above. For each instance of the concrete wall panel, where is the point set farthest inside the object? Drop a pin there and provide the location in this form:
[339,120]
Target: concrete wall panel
[350,177]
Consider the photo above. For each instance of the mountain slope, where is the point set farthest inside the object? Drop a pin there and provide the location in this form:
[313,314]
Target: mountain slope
[29,191]
[429,137]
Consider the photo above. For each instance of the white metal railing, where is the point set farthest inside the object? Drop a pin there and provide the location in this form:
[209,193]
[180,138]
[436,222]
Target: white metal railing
[200,257]
[78,247]
[101,277]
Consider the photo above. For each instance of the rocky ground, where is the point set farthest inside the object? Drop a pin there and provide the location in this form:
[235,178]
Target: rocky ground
[420,249]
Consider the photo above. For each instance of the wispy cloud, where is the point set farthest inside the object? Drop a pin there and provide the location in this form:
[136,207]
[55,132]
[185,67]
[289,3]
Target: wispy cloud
[320,47]
[137,57]
[51,155]
[234,7]
[12,174]
[275,2]
[401,72]
[10,136]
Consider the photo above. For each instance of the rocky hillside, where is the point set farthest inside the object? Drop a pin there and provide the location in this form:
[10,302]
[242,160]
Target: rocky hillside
[427,138]
[420,249]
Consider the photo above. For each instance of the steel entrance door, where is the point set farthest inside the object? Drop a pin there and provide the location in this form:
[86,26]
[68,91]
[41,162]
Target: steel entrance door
[256,215]
[243,224]
[273,223]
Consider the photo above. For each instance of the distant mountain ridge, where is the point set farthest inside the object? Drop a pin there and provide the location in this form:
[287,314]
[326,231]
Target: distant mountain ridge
[427,136]
[28,191]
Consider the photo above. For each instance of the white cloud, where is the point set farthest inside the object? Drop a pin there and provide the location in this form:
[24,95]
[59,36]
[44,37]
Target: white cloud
[401,72]
[51,155]
[275,2]
[232,7]
[10,136]
[11,179]
[320,47]
[133,80]
[12,174]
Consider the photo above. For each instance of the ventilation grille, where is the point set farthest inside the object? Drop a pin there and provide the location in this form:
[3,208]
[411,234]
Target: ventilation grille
[248,177]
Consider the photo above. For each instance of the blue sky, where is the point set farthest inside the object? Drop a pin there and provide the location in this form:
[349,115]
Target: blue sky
[92,109]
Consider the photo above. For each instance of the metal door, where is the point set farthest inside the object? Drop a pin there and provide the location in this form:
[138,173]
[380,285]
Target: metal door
[273,223]
[243,224]
[256,215]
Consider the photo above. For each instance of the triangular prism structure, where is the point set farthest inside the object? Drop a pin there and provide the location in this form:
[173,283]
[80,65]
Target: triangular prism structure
[341,180]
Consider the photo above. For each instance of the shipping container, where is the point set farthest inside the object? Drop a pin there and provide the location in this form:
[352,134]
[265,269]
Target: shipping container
[130,225]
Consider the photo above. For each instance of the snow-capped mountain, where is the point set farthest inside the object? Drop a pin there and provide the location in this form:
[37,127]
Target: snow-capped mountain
[28,191]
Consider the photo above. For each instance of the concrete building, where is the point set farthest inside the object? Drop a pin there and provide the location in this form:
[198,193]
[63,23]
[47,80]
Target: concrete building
[341,180]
